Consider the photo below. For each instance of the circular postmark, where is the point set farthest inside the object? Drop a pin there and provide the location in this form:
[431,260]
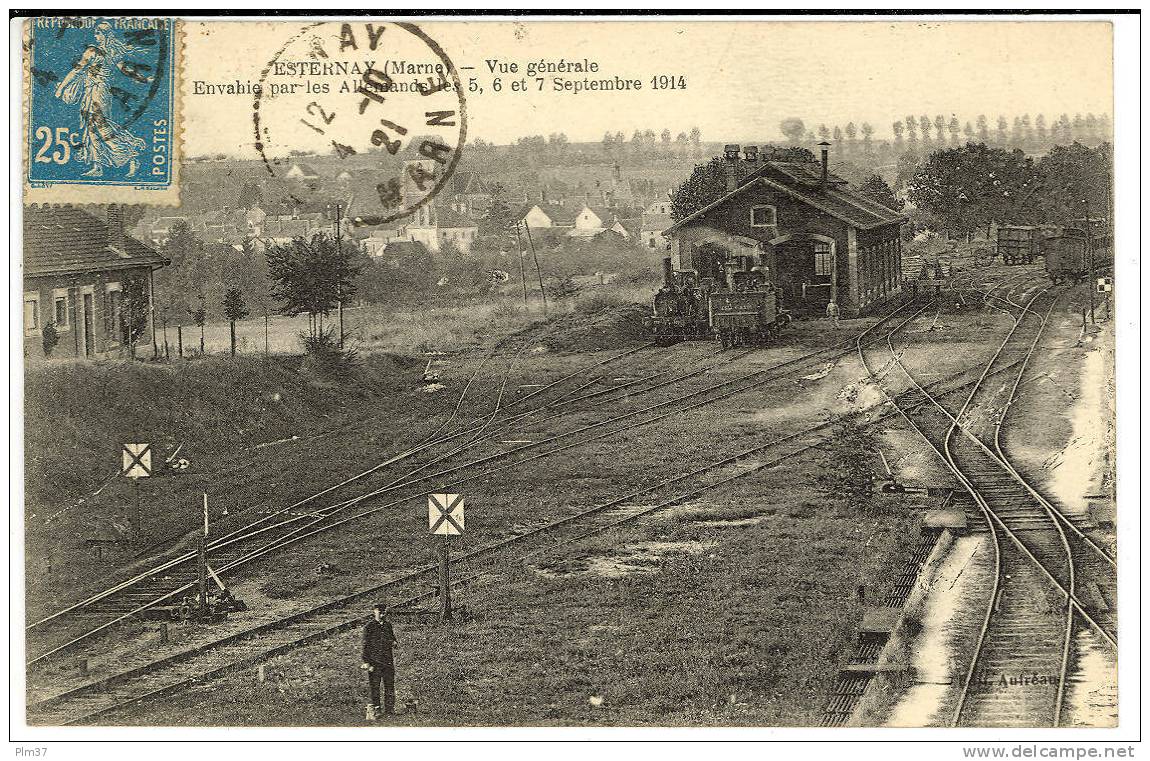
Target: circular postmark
[379,104]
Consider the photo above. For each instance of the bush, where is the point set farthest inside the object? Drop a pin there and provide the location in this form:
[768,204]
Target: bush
[51,337]
[325,358]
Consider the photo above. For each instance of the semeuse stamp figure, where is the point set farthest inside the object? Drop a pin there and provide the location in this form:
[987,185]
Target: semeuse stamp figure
[379,661]
[103,142]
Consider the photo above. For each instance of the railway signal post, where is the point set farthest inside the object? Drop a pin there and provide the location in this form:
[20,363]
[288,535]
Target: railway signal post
[445,518]
[137,463]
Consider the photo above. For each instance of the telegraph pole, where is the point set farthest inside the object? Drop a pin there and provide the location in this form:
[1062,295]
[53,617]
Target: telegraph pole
[1090,260]
[538,273]
[202,558]
[522,270]
[339,281]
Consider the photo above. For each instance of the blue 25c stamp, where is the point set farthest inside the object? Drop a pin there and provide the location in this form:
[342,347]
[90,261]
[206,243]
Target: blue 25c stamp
[101,105]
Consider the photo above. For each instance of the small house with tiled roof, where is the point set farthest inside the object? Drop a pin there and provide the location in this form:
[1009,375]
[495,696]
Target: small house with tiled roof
[301,171]
[822,240]
[77,268]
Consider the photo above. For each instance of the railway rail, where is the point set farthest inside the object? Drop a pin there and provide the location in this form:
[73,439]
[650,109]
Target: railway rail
[163,676]
[166,581]
[1035,598]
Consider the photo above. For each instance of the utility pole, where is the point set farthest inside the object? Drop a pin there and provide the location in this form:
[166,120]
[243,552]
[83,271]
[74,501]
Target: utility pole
[522,270]
[139,533]
[444,581]
[339,259]
[1090,260]
[202,560]
[538,272]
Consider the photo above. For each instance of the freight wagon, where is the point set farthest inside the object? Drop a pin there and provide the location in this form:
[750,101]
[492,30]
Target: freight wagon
[1019,244]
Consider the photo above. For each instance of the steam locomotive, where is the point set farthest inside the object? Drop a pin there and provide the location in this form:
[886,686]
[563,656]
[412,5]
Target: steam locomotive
[738,307]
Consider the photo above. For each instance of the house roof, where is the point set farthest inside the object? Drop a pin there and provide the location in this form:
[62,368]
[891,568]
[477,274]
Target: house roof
[632,226]
[657,221]
[837,198]
[306,170]
[404,247]
[560,215]
[467,182]
[450,218]
[64,240]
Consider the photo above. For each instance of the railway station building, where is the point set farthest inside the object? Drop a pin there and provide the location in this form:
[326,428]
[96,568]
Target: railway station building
[77,265]
[822,240]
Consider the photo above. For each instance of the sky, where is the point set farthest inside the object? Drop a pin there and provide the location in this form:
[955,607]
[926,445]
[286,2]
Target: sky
[742,78]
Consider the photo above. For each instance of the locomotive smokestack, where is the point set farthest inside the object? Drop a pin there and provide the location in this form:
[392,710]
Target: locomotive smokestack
[825,148]
[731,155]
[668,276]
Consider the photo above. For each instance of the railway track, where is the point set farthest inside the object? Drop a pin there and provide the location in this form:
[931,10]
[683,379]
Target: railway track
[1018,672]
[154,679]
[177,574]
[167,581]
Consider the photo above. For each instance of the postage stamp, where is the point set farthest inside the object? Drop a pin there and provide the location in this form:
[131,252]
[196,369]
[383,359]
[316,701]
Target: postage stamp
[101,110]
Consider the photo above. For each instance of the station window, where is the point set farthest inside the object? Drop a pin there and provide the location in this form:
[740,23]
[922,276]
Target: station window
[112,311]
[60,308]
[763,216]
[823,259]
[31,313]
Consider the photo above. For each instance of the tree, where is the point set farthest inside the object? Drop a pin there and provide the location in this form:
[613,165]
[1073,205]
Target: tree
[187,275]
[876,188]
[200,318]
[954,128]
[968,130]
[1000,134]
[897,128]
[867,135]
[940,127]
[838,135]
[969,187]
[924,127]
[793,129]
[1040,128]
[234,309]
[1063,131]
[493,230]
[824,133]
[311,276]
[983,130]
[707,183]
[1074,177]
[134,309]
[665,137]
[906,167]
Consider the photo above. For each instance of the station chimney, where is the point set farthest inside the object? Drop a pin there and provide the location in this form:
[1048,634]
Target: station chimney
[824,148]
[731,155]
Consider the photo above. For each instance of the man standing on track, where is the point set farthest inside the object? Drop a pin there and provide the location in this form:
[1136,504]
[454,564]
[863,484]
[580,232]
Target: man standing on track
[378,661]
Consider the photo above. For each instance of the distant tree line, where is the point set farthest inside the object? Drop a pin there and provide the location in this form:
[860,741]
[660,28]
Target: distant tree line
[921,134]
